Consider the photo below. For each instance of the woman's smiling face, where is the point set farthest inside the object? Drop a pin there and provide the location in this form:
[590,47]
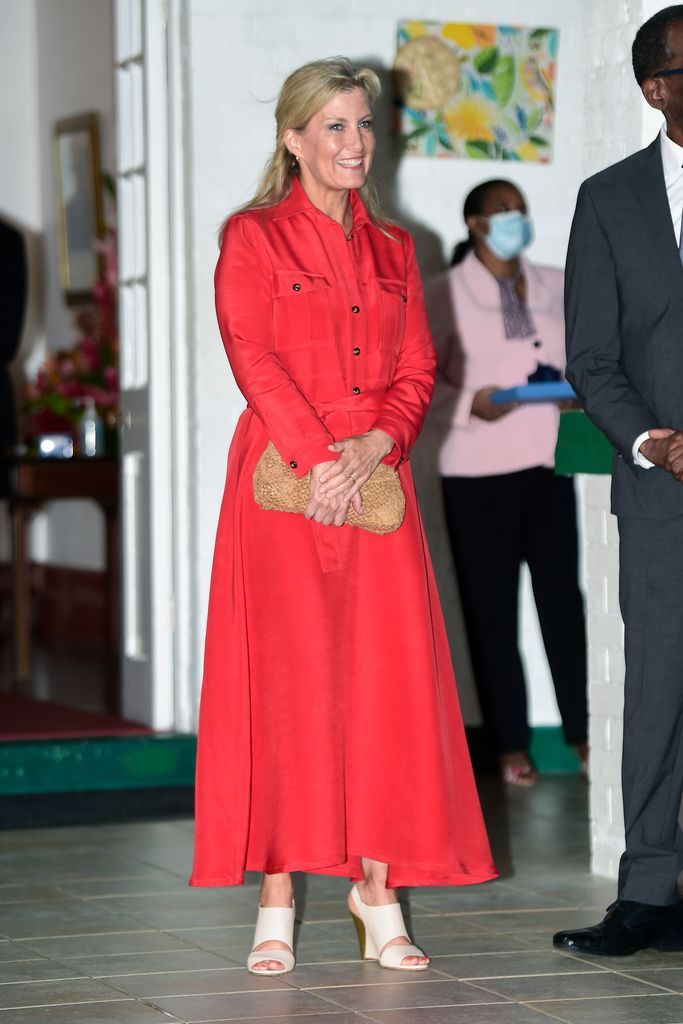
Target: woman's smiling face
[336,147]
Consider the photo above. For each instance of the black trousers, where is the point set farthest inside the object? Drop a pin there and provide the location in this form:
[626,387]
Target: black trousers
[495,523]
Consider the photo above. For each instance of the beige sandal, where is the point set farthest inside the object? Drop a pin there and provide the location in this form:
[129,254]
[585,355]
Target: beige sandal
[376,926]
[273,924]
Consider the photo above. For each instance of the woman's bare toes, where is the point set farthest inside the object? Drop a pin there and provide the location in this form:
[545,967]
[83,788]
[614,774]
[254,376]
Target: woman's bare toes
[268,965]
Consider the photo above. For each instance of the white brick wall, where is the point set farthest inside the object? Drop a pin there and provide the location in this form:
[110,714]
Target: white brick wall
[606,676]
[612,100]
[617,122]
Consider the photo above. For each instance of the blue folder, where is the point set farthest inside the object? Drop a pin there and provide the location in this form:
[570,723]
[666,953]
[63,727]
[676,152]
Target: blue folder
[543,391]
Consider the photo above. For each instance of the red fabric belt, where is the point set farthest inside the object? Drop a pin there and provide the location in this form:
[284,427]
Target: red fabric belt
[366,401]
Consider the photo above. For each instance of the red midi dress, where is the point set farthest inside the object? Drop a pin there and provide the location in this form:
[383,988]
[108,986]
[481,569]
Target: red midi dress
[329,725]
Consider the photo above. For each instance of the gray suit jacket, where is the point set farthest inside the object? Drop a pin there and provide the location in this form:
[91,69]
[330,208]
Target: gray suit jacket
[624,316]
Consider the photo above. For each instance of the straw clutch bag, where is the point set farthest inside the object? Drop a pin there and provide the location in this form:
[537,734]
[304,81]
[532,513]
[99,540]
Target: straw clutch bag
[277,489]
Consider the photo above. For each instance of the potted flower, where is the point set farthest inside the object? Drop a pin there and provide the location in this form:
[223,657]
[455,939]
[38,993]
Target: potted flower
[73,379]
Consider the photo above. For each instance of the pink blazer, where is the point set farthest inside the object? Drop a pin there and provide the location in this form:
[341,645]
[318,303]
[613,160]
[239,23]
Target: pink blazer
[472,353]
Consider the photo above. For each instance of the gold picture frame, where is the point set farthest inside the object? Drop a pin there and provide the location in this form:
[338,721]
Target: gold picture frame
[80,216]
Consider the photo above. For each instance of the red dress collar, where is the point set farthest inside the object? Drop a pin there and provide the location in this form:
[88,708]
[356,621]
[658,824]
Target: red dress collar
[298,202]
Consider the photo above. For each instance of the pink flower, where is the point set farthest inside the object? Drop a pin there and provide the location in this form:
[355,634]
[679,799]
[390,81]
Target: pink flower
[90,353]
[100,396]
[107,247]
[89,368]
[47,422]
[101,292]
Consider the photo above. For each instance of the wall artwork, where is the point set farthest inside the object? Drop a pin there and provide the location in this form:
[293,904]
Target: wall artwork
[478,92]
[79,206]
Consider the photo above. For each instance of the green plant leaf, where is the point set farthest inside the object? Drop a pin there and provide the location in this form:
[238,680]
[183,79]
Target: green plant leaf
[539,33]
[478,150]
[486,60]
[417,132]
[444,140]
[61,406]
[503,80]
[538,141]
[534,118]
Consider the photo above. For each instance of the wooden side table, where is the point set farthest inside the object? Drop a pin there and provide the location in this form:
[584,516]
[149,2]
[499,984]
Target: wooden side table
[34,483]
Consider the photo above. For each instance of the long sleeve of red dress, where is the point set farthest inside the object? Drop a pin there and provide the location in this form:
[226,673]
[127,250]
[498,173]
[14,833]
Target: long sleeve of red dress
[243,303]
[407,399]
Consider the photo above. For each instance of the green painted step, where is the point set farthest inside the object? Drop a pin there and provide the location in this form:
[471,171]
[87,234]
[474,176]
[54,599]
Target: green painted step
[164,761]
[550,753]
[111,762]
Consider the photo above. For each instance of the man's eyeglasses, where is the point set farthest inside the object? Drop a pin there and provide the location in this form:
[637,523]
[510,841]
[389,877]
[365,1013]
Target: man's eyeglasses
[667,73]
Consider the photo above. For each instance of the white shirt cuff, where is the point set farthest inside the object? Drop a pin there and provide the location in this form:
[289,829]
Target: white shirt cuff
[638,457]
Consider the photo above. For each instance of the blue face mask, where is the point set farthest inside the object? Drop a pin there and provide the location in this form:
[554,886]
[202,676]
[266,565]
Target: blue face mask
[509,233]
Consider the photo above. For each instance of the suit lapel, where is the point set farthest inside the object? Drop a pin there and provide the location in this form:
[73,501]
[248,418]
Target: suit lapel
[649,188]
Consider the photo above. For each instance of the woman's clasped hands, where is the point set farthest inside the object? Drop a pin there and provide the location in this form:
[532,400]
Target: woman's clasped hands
[336,485]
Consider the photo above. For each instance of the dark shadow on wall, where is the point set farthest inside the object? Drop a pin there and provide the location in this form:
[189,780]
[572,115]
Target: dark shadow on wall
[385,173]
[424,457]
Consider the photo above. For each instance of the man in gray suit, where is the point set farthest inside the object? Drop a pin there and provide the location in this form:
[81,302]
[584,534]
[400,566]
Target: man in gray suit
[624,312]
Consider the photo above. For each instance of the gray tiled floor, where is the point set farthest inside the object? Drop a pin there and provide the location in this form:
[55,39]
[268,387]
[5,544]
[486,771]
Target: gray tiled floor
[98,926]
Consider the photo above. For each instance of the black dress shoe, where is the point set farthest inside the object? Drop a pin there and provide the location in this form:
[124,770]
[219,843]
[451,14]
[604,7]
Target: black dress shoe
[627,927]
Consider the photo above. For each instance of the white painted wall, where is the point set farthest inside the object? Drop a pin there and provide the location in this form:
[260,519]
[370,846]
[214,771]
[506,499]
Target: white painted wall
[75,75]
[20,196]
[239,54]
[56,60]
[20,192]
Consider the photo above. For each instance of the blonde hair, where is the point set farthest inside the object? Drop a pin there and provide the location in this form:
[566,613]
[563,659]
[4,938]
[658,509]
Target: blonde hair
[306,91]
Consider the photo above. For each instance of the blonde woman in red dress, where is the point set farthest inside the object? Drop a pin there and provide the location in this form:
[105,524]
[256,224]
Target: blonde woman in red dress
[330,736]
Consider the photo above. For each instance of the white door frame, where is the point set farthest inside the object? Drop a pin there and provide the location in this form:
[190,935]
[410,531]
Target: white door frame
[156,394]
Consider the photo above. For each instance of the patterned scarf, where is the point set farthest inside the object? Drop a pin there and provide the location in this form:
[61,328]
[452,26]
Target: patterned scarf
[517,319]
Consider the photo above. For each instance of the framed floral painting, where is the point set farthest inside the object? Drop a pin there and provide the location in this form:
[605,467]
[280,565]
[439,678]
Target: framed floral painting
[478,92]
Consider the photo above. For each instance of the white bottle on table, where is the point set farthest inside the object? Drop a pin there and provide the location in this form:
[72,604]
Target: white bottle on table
[91,429]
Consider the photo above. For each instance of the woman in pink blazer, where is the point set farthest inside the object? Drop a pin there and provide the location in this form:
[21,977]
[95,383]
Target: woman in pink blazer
[497,320]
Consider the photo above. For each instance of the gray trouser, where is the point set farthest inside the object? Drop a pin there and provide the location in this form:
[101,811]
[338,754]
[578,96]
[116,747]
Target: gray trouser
[651,597]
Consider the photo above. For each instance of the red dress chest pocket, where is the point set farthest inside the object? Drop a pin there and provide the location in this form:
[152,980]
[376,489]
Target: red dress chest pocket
[302,311]
[392,309]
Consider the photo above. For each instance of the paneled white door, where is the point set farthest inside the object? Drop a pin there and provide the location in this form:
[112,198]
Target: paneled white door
[155,539]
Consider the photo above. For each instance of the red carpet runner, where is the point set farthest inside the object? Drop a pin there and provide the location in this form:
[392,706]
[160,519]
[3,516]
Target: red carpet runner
[23,718]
